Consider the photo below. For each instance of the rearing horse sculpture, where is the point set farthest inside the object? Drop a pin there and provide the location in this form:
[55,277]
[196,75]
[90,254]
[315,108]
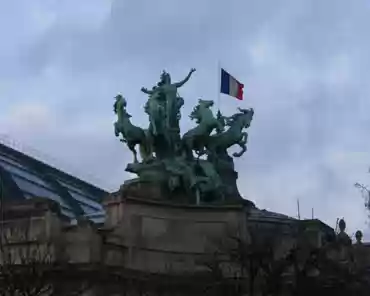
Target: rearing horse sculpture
[196,138]
[219,143]
[131,135]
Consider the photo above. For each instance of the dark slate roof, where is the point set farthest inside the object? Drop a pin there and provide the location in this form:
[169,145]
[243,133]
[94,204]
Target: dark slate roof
[24,177]
[268,217]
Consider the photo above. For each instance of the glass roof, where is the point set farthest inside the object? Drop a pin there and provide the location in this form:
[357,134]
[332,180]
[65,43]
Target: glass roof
[37,190]
[21,171]
[36,179]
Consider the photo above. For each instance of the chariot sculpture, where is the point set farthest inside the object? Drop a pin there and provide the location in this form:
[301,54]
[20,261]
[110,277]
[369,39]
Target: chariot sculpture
[195,164]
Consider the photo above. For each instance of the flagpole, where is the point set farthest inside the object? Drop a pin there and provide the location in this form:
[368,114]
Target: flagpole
[218,84]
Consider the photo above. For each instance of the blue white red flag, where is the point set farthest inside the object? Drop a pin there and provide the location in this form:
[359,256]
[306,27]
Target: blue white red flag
[230,86]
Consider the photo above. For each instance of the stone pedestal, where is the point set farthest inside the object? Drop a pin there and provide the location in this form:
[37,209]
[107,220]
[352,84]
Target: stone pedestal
[224,165]
[159,236]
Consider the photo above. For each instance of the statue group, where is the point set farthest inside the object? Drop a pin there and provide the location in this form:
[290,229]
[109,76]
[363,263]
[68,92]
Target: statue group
[195,165]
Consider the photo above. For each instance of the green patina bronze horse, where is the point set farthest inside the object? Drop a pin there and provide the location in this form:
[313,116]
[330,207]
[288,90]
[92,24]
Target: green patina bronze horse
[131,135]
[196,138]
[219,143]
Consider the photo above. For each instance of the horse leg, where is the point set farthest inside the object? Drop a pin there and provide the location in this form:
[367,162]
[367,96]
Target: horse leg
[116,132]
[132,148]
[244,137]
[242,143]
[244,148]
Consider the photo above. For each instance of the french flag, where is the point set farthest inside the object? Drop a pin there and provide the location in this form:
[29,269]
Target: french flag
[230,86]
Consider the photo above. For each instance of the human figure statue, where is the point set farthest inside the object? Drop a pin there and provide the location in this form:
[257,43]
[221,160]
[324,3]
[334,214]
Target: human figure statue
[342,236]
[360,253]
[169,90]
[155,107]
[358,236]
[164,108]
[344,243]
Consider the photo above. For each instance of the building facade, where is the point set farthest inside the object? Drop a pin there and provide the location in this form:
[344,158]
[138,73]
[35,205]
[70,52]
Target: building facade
[91,236]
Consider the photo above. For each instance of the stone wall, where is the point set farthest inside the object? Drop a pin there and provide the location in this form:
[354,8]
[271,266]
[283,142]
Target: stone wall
[147,235]
[142,237]
[159,236]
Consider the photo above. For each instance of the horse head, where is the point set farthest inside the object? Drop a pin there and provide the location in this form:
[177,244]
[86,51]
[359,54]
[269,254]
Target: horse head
[202,111]
[205,103]
[195,114]
[243,118]
[119,103]
[246,116]
[119,107]
[246,111]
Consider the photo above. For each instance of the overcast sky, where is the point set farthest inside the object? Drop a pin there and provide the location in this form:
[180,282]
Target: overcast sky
[305,66]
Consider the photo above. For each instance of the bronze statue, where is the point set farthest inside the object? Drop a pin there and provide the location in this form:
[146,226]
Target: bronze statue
[168,158]
[131,134]
[195,139]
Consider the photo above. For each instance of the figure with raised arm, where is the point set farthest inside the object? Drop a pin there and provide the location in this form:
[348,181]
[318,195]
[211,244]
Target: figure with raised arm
[168,91]
[165,97]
